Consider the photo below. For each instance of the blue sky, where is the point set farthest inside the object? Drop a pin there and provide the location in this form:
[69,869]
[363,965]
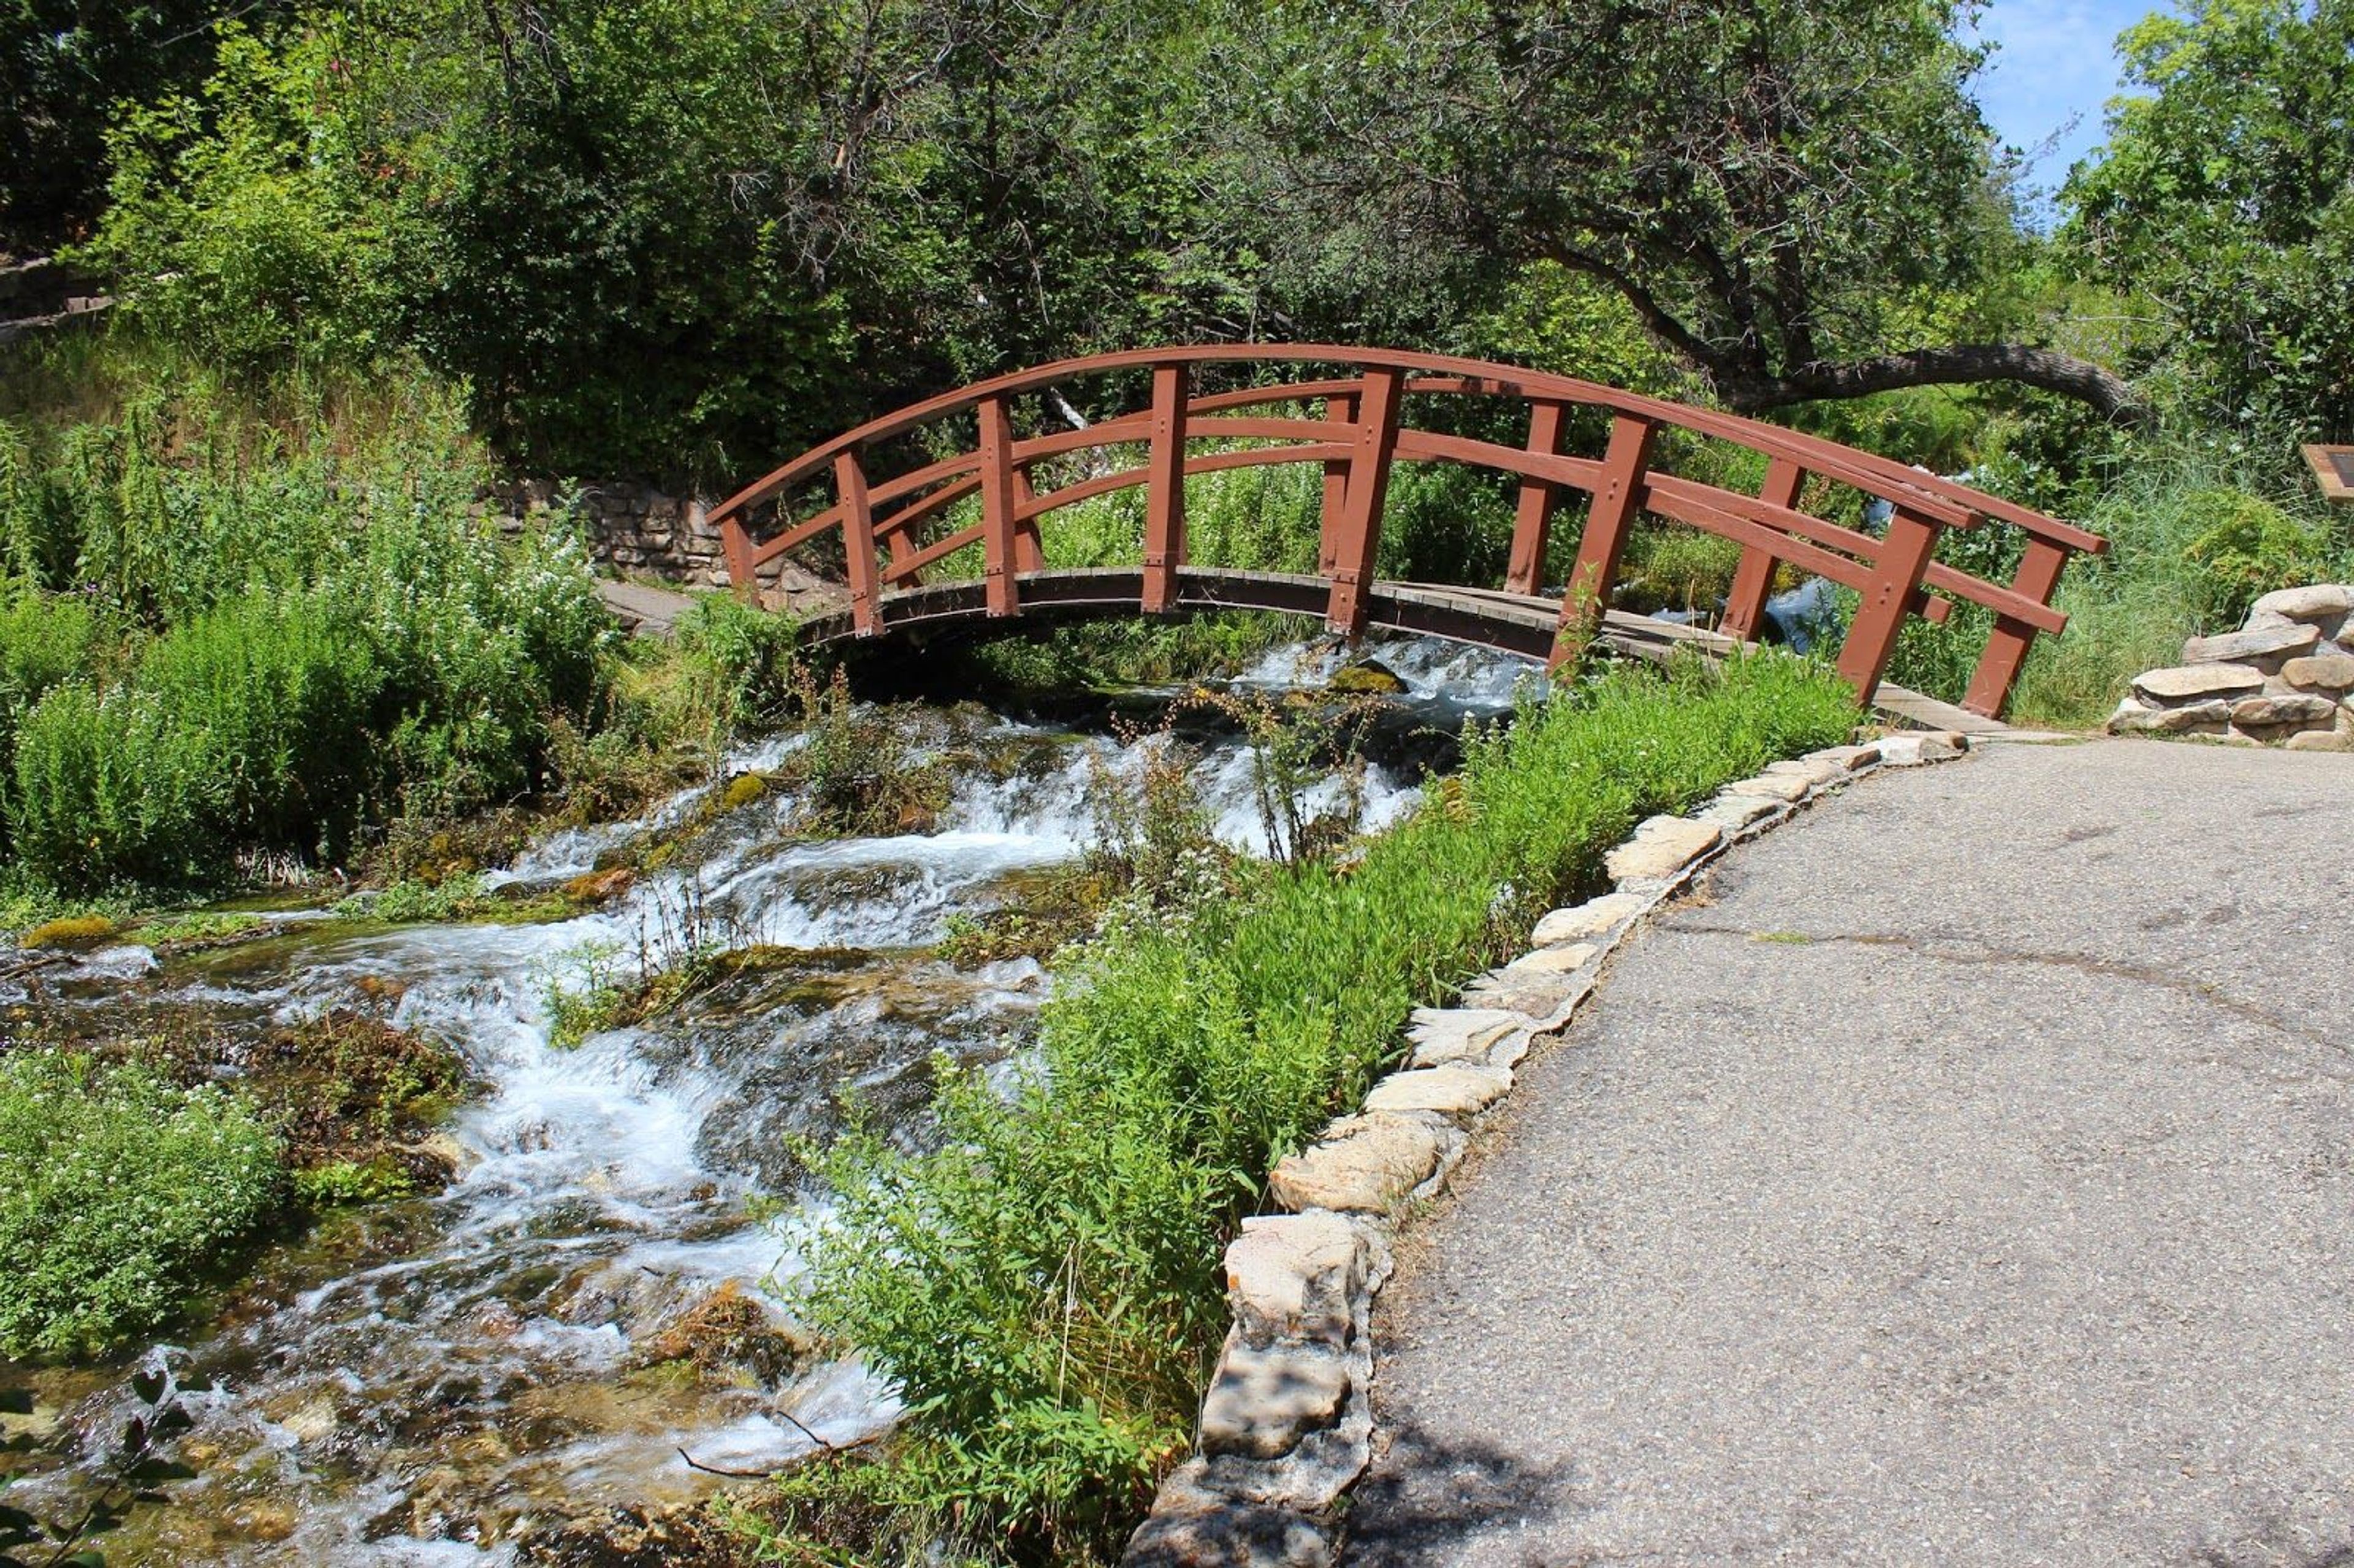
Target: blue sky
[2055,60]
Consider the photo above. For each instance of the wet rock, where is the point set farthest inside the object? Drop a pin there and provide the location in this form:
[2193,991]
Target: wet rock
[262,1520]
[2263,644]
[1462,1033]
[1555,960]
[1291,1278]
[1365,1163]
[688,1536]
[1457,1090]
[1366,677]
[1262,1401]
[1590,918]
[728,1333]
[2184,682]
[600,886]
[1661,847]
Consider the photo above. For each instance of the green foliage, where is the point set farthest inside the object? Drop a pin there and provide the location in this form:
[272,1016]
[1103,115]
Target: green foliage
[120,1195]
[2249,548]
[2224,198]
[746,654]
[1042,1284]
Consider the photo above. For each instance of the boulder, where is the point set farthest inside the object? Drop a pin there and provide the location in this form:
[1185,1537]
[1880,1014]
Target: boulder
[1849,758]
[1914,750]
[2319,601]
[2273,641]
[2209,716]
[2190,682]
[2323,672]
[2259,713]
[1790,788]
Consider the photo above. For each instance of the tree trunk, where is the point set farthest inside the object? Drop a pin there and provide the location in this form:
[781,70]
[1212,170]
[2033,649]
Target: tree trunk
[1962,363]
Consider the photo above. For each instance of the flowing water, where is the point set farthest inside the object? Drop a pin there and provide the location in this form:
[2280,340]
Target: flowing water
[425,1380]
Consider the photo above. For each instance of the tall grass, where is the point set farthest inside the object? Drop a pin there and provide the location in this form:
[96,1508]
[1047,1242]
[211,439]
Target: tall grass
[1043,1285]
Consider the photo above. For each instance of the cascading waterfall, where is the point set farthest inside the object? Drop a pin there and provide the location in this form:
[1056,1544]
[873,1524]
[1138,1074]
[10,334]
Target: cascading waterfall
[423,1381]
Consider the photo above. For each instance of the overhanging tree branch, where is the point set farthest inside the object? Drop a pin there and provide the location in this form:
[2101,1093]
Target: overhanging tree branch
[1959,364]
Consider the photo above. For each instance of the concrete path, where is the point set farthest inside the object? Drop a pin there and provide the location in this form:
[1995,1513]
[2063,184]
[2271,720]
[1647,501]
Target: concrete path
[1967,1176]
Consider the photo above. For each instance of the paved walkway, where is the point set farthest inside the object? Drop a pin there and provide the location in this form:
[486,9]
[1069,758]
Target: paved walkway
[1966,1177]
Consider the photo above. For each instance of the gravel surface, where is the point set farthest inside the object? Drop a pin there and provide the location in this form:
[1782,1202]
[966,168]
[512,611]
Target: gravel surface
[1966,1176]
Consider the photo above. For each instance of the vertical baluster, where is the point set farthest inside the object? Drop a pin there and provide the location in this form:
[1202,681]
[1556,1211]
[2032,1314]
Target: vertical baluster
[1608,522]
[998,544]
[1164,499]
[1029,550]
[1904,552]
[1533,523]
[2006,649]
[858,542]
[1355,542]
[739,546]
[1752,581]
[1340,409]
[902,543]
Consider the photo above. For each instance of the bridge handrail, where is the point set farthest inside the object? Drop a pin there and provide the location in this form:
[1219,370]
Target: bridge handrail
[1895,571]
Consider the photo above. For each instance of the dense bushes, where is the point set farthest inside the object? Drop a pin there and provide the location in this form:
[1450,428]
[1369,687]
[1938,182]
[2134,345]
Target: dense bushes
[119,1193]
[1043,1286]
[216,644]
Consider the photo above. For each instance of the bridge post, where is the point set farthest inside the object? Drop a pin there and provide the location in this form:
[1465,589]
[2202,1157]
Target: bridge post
[1340,409]
[737,541]
[1164,497]
[999,547]
[1608,522]
[857,541]
[2006,649]
[1355,542]
[1752,581]
[1533,523]
[1904,552]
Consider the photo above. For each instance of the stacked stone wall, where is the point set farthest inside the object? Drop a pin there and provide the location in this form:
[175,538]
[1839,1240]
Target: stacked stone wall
[2284,679]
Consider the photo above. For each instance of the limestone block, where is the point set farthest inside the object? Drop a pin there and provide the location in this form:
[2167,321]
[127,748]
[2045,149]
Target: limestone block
[2207,718]
[1364,1164]
[2271,642]
[1734,812]
[1850,758]
[1915,750]
[1543,1000]
[1555,960]
[2192,683]
[1293,1279]
[1211,1532]
[1590,918]
[2323,673]
[1815,773]
[2320,740]
[1262,1401]
[1661,847]
[2256,713]
[1457,1090]
[1788,786]
[2320,601]
[1462,1033]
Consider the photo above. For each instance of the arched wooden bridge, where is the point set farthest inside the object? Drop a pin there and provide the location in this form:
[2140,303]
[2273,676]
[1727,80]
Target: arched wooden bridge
[893,520]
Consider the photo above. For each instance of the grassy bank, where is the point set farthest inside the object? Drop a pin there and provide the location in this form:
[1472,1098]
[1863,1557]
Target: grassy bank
[1042,1287]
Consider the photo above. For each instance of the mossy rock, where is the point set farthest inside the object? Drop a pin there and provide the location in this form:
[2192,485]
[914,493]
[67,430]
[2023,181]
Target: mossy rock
[743,789]
[72,931]
[1367,677]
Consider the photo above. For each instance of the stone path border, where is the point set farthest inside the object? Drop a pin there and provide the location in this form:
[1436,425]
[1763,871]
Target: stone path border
[1286,1425]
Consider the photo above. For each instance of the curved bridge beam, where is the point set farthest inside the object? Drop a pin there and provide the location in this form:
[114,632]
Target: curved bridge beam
[925,511]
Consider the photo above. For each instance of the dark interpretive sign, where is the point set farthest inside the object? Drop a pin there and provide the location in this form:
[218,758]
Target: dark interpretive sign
[2334,468]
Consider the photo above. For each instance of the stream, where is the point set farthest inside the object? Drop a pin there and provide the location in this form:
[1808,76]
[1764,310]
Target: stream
[429,1381]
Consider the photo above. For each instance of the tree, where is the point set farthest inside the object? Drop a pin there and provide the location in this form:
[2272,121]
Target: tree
[1762,183]
[2225,197]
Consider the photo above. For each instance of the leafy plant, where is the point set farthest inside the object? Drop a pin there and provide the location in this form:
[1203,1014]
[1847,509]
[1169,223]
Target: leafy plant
[137,1468]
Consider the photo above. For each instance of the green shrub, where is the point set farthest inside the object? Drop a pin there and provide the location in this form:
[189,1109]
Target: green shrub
[2249,548]
[111,791]
[744,654]
[120,1195]
[1043,1286]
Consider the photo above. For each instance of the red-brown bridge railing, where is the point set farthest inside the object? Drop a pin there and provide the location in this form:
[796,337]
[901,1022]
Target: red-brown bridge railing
[886,524]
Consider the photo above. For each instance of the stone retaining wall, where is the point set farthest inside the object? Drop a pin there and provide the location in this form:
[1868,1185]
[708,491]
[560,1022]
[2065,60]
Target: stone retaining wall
[637,529]
[1286,1425]
[2282,679]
